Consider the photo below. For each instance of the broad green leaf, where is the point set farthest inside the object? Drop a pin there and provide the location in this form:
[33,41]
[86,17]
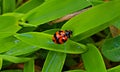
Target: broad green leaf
[29,66]
[16,47]
[117,23]
[15,59]
[44,41]
[114,69]
[17,15]
[93,61]
[93,20]
[31,4]
[111,49]
[21,48]
[54,9]
[8,26]
[9,5]
[75,71]
[54,62]
[1,61]
[11,71]
[7,43]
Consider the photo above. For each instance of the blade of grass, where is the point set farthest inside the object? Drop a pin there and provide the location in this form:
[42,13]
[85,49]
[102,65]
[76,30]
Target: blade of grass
[6,44]
[43,40]
[93,60]
[26,7]
[21,48]
[9,5]
[54,62]
[8,26]
[15,59]
[11,71]
[93,20]
[29,66]
[49,10]
[111,49]
[114,69]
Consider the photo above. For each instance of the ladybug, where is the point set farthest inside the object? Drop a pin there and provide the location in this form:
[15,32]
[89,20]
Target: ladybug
[61,36]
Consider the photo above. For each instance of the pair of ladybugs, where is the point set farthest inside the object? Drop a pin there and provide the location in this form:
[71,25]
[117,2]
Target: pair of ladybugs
[61,36]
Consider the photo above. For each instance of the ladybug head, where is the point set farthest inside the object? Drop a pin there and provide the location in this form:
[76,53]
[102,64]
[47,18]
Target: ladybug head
[68,33]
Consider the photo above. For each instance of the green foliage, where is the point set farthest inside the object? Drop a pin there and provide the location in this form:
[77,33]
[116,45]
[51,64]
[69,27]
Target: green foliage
[44,41]
[9,26]
[111,49]
[15,59]
[29,66]
[93,20]
[8,5]
[117,23]
[93,60]
[12,71]
[114,69]
[51,60]
[49,10]
[26,34]
[26,7]
[6,44]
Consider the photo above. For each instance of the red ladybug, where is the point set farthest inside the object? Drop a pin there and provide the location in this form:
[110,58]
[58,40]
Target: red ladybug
[61,36]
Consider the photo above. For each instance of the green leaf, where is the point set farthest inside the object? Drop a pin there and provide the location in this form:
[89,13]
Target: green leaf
[44,41]
[7,43]
[93,60]
[75,71]
[54,62]
[1,61]
[12,71]
[13,46]
[117,23]
[17,15]
[93,20]
[96,2]
[29,66]
[114,69]
[9,5]
[49,10]
[15,59]
[111,49]
[21,48]
[8,26]
[31,4]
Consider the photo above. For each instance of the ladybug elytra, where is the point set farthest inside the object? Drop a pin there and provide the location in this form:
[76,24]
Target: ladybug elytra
[61,36]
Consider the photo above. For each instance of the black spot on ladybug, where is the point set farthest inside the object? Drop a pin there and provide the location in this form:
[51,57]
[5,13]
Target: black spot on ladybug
[61,36]
[63,40]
